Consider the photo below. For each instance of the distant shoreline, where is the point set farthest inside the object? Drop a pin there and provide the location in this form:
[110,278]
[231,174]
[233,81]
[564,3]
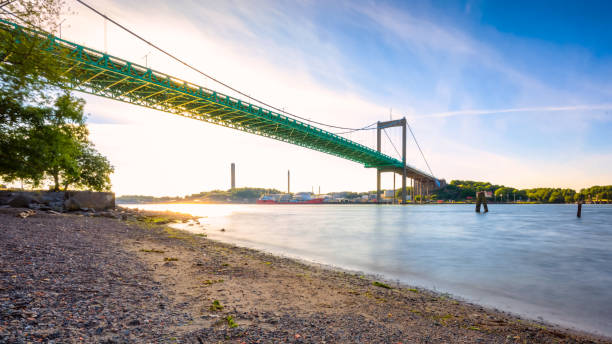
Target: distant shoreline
[119,201]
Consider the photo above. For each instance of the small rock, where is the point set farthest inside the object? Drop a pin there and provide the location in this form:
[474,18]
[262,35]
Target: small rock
[27,213]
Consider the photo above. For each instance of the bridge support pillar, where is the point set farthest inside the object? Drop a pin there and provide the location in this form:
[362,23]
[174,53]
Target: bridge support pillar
[382,126]
[378,144]
[378,192]
[404,160]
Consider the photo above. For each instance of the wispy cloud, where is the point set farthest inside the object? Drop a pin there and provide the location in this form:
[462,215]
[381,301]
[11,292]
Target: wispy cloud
[477,112]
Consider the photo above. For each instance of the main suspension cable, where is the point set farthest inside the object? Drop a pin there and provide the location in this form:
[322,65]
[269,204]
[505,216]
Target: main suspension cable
[393,144]
[209,76]
[367,127]
[420,150]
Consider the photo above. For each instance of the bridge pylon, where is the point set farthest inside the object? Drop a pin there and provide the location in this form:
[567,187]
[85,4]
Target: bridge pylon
[402,171]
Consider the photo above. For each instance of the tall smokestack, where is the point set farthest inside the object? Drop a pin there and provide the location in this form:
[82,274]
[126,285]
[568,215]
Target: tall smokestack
[233,176]
[288,181]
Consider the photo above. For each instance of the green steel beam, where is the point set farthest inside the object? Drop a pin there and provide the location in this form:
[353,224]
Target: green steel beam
[97,73]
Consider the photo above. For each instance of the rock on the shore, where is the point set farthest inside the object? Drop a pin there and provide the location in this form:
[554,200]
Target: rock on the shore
[90,200]
[21,200]
[58,201]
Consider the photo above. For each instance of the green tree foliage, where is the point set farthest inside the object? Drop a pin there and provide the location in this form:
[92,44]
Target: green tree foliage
[26,71]
[39,140]
[92,170]
[42,128]
[398,192]
[51,142]
[459,190]
[597,193]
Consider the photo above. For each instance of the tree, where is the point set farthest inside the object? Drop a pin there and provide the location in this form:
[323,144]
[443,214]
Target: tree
[91,170]
[25,75]
[556,197]
[42,127]
[51,143]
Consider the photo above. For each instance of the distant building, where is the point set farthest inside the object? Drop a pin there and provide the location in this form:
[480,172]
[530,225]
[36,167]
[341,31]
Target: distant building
[303,196]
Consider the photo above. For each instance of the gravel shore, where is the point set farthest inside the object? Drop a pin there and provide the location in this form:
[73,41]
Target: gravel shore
[127,278]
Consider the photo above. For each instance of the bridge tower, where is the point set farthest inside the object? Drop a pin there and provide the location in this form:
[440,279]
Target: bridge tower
[381,126]
[233,176]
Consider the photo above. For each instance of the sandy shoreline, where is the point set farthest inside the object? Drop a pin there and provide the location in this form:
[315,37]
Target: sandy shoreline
[75,278]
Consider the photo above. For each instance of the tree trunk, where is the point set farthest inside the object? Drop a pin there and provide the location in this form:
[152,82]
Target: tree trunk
[56,180]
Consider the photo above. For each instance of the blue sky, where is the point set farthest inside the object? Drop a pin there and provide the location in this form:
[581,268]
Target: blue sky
[515,93]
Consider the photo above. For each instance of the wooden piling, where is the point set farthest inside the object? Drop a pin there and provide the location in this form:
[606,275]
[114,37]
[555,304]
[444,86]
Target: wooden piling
[579,214]
[481,200]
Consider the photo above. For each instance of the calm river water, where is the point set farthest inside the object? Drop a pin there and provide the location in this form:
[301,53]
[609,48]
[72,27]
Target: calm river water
[535,260]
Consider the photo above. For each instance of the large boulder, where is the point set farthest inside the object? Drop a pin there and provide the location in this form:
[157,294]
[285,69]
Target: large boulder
[5,197]
[21,200]
[88,199]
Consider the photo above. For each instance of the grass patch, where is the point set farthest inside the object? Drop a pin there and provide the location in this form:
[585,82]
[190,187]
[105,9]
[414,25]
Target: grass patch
[231,322]
[152,251]
[216,306]
[158,220]
[170,259]
[211,282]
[381,285]
[172,233]
[202,235]
[443,318]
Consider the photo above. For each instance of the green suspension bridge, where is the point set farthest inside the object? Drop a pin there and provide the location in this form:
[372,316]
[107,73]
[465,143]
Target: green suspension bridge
[91,71]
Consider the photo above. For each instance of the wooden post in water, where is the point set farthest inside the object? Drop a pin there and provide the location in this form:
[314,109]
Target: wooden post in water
[481,199]
[579,214]
[484,200]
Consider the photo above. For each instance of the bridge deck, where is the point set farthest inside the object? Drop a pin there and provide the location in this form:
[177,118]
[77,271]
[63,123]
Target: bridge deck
[94,72]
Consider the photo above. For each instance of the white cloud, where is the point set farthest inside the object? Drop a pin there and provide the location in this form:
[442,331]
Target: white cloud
[477,112]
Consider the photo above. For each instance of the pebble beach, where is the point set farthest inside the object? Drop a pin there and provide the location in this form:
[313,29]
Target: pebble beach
[125,276]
